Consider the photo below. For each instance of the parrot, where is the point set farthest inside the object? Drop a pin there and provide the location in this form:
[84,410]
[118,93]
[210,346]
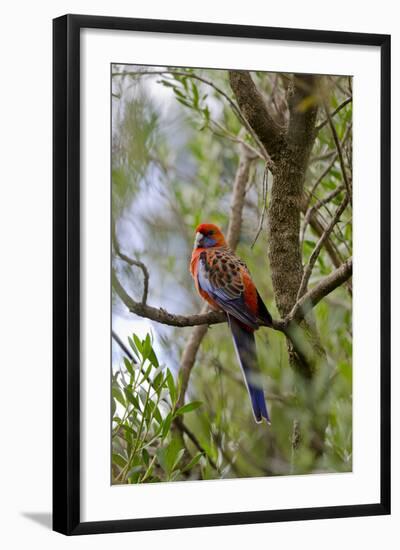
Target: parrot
[222,279]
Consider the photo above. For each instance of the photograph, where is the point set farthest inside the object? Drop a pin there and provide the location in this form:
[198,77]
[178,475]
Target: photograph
[231,263]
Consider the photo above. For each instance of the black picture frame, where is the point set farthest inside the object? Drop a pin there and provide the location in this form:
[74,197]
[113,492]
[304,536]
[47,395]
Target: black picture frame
[66,273]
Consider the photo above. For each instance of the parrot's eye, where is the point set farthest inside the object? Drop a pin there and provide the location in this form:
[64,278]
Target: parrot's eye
[211,232]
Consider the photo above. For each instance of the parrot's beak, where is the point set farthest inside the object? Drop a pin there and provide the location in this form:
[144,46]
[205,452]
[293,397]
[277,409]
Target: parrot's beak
[197,240]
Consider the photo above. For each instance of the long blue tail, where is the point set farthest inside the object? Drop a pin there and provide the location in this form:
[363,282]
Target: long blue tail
[245,347]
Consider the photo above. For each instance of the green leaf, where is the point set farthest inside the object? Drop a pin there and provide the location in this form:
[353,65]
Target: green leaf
[134,348]
[131,398]
[188,407]
[143,396]
[158,379]
[135,470]
[153,358]
[118,460]
[171,386]
[166,425]
[134,474]
[129,430]
[184,102]
[155,411]
[346,370]
[195,94]
[146,457]
[128,366]
[117,394]
[178,458]
[309,244]
[146,347]
[183,79]
[113,407]
[175,475]
[146,374]
[170,456]
[193,462]
[179,384]
[206,113]
[138,343]
[178,92]
[166,83]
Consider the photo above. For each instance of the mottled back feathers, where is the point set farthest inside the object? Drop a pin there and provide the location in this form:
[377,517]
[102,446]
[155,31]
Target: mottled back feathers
[225,279]
[224,270]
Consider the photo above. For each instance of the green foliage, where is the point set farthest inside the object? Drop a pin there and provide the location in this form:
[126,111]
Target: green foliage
[145,446]
[175,156]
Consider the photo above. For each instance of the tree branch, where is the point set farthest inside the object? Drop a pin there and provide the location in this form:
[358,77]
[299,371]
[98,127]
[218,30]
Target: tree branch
[303,106]
[319,204]
[226,134]
[256,113]
[324,287]
[335,112]
[340,152]
[204,319]
[131,262]
[322,177]
[190,351]
[264,206]
[238,196]
[160,315]
[331,248]
[315,253]
[287,192]
[334,155]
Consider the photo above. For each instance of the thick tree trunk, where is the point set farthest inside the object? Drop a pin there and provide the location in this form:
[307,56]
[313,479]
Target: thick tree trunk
[283,233]
[290,151]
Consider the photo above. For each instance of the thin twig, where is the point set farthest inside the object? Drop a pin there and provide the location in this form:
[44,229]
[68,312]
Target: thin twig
[315,253]
[339,108]
[284,398]
[238,196]
[264,207]
[124,348]
[319,204]
[322,176]
[190,351]
[330,165]
[340,152]
[131,262]
[179,422]
[235,108]
[323,156]
[333,252]
[324,287]
[225,133]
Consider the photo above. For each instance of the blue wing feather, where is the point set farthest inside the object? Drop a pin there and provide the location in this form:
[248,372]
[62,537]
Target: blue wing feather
[235,306]
[245,347]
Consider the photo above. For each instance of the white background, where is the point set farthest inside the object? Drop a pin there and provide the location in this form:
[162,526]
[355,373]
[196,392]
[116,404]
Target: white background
[25,301]
[101,501]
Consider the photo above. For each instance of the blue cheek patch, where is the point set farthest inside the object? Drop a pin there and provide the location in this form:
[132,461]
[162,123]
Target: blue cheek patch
[207,242]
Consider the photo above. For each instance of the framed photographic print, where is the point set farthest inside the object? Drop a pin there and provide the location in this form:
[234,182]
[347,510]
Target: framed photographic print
[221,318]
